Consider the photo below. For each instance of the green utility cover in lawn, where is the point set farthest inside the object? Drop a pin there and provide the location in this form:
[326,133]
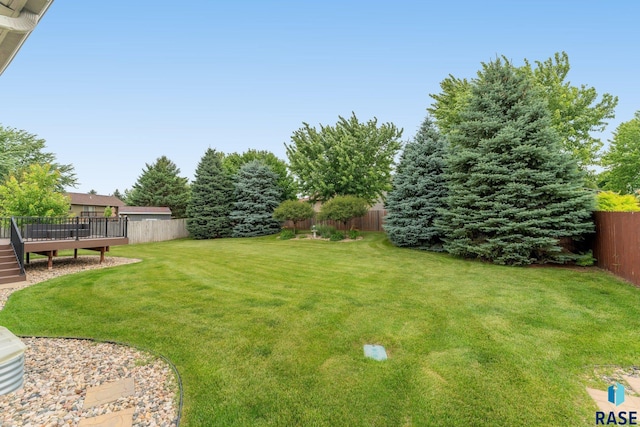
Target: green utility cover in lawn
[376,352]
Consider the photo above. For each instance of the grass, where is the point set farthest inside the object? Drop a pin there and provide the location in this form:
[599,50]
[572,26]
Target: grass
[267,332]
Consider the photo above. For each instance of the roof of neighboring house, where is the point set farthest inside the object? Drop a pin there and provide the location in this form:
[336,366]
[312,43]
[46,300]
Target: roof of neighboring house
[95,200]
[144,210]
[18,18]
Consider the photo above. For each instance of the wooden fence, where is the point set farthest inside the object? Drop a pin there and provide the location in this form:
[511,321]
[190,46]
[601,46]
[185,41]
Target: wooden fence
[617,243]
[372,221]
[161,230]
[156,231]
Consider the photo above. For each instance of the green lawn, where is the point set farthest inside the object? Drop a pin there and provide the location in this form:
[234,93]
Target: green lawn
[269,332]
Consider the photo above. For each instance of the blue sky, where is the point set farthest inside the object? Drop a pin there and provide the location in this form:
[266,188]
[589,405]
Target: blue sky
[114,85]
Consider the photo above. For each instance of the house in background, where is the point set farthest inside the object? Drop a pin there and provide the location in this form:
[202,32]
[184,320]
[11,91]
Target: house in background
[93,205]
[142,213]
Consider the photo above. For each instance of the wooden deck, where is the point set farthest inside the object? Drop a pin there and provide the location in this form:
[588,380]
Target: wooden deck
[50,248]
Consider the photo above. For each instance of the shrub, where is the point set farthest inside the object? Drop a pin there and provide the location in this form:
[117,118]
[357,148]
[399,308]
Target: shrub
[294,211]
[325,231]
[336,236]
[586,259]
[353,234]
[343,209]
[287,234]
[614,202]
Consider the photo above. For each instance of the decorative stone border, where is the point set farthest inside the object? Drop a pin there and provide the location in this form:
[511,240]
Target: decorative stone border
[59,371]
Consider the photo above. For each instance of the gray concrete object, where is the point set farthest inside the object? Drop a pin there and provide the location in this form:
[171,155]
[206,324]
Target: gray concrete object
[11,362]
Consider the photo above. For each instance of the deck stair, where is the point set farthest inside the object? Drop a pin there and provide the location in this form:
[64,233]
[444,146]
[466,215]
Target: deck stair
[9,267]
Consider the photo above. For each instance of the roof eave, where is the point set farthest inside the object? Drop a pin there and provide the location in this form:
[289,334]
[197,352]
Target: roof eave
[17,25]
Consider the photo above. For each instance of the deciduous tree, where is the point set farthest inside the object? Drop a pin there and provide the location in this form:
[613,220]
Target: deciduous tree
[622,160]
[34,192]
[343,209]
[294,211]
[19,149]
[350,158]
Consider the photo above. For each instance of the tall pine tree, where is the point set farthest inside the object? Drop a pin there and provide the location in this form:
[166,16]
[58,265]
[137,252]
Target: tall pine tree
[160,185]
[257,194]
[211,199]
[419,192]
[288,188]
[513,192]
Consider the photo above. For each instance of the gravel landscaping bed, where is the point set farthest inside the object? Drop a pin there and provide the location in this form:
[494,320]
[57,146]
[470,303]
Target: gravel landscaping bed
[59,371]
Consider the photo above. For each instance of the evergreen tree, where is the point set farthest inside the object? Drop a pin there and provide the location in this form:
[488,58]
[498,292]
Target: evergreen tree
[575,111]
[119,195]
[211,199]
[257,194]
[419,192]
[160,185]
[288,188]
[513,191]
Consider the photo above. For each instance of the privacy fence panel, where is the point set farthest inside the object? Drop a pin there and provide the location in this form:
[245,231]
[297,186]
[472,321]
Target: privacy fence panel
[372,221]
[617,243]
[156,231]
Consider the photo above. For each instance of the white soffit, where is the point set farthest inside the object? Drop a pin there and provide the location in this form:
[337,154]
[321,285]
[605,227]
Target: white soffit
[18,18]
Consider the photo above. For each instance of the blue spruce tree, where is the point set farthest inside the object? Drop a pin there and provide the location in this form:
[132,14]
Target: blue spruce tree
[513,192]
[257,194]
[211,199]
[419,192]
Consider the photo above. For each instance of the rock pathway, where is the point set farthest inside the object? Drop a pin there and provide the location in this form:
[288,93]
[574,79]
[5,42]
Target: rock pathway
[60,372]
[630,379]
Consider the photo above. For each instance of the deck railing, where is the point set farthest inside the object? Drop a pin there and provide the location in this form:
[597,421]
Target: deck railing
[5,228]
[18,244]
[64,228]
